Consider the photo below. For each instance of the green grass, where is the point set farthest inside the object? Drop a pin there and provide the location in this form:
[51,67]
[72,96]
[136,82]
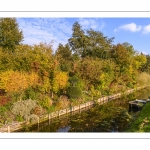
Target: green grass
[142,123]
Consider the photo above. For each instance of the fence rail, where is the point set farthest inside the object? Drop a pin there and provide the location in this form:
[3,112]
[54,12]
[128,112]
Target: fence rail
[16,126]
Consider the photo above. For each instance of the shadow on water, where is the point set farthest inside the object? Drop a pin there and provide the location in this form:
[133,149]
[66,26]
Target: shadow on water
[110,117]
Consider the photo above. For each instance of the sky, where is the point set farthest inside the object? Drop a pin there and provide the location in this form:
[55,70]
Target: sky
[135,31]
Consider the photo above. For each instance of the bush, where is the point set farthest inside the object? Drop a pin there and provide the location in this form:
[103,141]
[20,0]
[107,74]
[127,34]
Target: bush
[74,92]
[2,109]
[33,118]
[24,107]
[45,101]
[19,118]
[4,100]
[143,79]
[62,102]
[30,93]
[37,110]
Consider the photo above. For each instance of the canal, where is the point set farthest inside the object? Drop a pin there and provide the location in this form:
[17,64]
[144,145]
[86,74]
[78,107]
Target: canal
[110,117]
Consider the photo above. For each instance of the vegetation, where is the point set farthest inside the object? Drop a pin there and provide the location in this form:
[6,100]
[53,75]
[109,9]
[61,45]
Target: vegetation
[10,34]
[142,122]
[88,66]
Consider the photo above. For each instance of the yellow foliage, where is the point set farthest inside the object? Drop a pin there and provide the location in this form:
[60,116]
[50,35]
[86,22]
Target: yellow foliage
[60,81]
[15,81]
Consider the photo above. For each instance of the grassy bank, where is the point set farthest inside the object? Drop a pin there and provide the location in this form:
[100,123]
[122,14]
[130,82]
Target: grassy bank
[142,123]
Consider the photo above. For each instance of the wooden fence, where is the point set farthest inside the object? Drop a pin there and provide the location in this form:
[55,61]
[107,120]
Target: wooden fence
[16,126]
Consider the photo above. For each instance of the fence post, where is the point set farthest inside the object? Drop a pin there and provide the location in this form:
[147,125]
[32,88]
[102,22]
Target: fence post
[38,122]
[8,129]
[49,117]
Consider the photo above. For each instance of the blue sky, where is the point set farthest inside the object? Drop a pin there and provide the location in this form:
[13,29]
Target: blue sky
[135,31]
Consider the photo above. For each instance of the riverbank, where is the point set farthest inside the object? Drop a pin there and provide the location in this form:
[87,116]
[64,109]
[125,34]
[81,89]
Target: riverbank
[142,122]
[16,126]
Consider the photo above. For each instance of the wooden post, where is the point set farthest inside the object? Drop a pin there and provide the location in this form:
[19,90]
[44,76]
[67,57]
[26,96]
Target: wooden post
[38,122]
[49,117]
[58,113]
[8,129]
[79,109]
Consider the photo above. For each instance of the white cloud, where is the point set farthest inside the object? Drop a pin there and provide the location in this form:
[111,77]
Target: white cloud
[36,30]
[91,23]
[129,27]
[145,53]
[146,29]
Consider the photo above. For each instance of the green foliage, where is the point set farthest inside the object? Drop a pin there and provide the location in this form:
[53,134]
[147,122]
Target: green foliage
[74,92]
[142,122]
[31,93]
[19,118]
[89,42]
[45,101]
[2,109]
[74,80]
[10,34]
[64,53]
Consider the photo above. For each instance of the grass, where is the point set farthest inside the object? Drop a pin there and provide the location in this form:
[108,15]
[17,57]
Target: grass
[142,123]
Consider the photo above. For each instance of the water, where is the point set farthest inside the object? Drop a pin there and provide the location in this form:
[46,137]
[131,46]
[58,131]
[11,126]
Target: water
[110,117]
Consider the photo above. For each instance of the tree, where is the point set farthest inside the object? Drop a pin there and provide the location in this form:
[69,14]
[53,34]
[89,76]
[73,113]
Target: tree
[78,41]
[10,34]
[89,42]
[98,44]
[146,67]
[64,56]
[64,52]
[16,82]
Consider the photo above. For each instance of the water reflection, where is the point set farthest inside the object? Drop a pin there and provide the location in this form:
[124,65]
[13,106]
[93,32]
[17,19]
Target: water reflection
[64,129]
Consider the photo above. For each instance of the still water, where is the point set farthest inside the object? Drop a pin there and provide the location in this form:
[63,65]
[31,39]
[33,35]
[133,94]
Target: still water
[110,117]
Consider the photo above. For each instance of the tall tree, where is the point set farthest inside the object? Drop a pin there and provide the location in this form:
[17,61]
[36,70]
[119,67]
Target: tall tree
[10,34]
[64,52]
[79,40]
[98,44]
[64,56]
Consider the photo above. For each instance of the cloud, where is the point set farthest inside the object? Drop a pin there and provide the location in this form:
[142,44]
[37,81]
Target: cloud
[91,23]
[146,29]
[129,27]
[145,53]
[36,30]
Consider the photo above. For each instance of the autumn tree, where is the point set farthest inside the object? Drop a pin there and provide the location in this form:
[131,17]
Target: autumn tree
[16,82]
[10,34]
[146,67]
[64,55]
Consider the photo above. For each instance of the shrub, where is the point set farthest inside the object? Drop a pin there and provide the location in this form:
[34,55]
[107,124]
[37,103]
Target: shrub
[2,109]
[143,79]
[37,110]
[33,118]
[45,101]
[74,92]
[19,118]
[30,93]
[24,107]
[4,100]
[62,102]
